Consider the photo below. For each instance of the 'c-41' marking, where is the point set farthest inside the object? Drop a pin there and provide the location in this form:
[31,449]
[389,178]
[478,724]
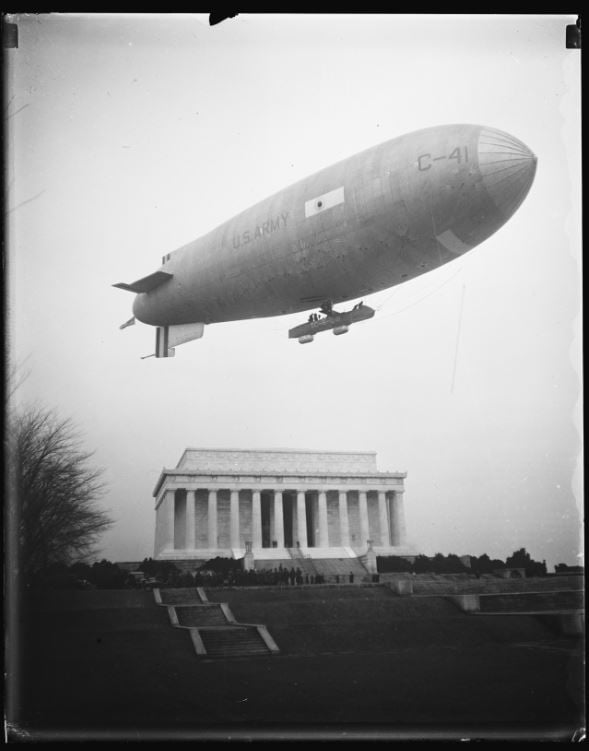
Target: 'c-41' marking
[425,161]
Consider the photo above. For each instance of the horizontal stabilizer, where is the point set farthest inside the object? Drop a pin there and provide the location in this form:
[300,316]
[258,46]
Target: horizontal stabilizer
[130,322]
[147,283]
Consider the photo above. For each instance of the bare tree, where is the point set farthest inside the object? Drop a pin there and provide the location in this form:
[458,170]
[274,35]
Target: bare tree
[55,491]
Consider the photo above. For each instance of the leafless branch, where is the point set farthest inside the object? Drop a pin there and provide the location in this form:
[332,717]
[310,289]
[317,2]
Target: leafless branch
[55,490]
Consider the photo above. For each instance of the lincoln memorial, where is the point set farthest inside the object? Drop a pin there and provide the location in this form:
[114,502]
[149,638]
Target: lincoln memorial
[323,504]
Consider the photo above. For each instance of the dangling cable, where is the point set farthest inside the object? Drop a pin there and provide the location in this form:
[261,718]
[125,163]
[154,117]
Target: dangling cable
[429,294]
[435,237]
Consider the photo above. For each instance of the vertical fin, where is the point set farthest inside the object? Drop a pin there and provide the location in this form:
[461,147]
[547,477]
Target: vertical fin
[161,342]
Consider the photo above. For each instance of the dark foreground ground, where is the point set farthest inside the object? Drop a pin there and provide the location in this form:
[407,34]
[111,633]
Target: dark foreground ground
[107,665]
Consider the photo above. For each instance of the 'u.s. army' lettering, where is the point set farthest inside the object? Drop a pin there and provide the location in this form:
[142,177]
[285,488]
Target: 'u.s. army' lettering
[261,230]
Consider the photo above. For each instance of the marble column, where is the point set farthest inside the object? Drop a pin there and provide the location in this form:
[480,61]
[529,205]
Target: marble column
[383,518]
[256,519]
[165,520]
[170,513]
[363,509]
[278,519]
[301,519]
[212,520]
[292,510]
[190,524]
[322,503]
[344,523]
[234,521]
[398,518]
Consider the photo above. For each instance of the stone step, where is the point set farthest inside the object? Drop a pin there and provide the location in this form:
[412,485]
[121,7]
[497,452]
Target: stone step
[270,564]
[341,567]
[306,565]
[233,642]
[200,615]
[329,568]
[180,595]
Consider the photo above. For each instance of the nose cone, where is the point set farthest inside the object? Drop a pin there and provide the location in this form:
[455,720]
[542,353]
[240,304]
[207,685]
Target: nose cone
[140,309]
[507,169]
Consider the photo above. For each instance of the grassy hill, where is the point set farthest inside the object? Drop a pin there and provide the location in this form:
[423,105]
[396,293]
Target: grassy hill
[354,660]
[368,619]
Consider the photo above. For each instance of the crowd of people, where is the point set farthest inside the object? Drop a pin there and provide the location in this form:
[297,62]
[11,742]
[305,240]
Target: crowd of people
[225,572]
[240,578]
[276,576]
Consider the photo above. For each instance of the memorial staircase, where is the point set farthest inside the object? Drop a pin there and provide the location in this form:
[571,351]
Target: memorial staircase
[334,569]
[307,565]
[271,564]
[214,631]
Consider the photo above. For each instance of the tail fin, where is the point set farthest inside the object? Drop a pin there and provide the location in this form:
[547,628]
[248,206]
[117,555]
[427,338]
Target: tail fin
[168,337]
[161,342]
[147,283]
[130,322]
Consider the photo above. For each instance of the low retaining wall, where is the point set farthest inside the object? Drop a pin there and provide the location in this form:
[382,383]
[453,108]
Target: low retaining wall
[402,587]
[572,624]
[465,584]
[468,603]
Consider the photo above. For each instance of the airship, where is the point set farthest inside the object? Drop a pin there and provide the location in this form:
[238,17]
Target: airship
[367,223]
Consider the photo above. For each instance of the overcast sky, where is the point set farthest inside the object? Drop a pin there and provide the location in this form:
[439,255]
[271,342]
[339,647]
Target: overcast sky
[129,136]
